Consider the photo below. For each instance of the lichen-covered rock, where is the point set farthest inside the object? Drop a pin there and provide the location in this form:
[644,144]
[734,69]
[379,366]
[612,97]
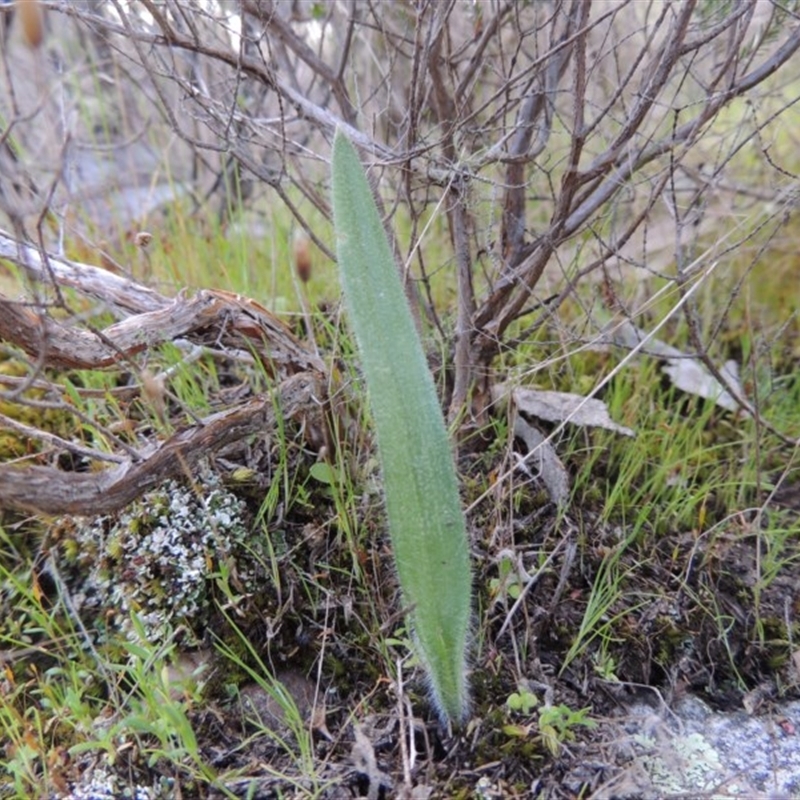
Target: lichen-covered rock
[693,751]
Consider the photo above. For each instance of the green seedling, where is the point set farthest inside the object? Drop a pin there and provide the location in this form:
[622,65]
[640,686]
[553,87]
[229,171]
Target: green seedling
[522,701]
[426,521]
[557,723]
[507,585]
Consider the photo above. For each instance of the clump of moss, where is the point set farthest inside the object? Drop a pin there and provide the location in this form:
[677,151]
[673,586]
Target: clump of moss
[12,443]
[156,559]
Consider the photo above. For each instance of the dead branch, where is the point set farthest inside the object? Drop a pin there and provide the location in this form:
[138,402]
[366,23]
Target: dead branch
[208,317]
[115,291]
[47,490]
[266,12]
[618,165]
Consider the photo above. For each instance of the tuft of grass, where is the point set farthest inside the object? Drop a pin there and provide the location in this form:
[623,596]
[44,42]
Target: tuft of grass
[284,725]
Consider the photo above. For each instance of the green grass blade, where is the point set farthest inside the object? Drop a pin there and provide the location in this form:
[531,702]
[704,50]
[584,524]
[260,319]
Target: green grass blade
[426,521]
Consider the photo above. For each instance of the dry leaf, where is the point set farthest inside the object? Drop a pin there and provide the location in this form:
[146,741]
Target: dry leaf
[550,469]
[565,407]
[692,376]
[686,372]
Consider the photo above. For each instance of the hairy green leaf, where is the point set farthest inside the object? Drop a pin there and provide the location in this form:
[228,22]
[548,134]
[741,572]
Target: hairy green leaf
[426,521]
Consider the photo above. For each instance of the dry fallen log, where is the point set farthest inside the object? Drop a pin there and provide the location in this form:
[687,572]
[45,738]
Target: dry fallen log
[52,491]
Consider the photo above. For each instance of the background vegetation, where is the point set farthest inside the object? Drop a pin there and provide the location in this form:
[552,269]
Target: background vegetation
[590,197]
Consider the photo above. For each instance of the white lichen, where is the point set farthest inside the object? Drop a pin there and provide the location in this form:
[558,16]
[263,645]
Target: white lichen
[156,559]
[100,784]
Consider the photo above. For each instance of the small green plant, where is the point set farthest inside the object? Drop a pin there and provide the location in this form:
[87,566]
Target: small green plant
[556,724]
[426,521]
[522,701]
[507,585]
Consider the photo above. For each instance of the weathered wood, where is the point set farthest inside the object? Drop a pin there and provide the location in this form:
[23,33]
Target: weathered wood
[210,317]
[149,318]
[113,290]
[47,490]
